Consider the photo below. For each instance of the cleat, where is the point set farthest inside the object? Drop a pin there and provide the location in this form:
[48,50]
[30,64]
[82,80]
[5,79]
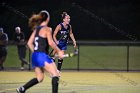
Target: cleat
[22,68]
[20,90]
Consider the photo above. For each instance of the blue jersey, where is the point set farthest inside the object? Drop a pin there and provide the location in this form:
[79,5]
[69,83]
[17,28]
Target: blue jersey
[40,56]
[63,34]
[63,37]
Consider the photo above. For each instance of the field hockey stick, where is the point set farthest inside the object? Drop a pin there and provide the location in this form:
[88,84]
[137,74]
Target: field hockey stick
[58,41]
[75,53]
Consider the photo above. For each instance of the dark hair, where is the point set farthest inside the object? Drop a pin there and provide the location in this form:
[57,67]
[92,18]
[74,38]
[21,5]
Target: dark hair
[37,19]
[64,14]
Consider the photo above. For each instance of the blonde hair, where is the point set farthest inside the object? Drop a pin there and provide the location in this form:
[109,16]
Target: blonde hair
[37,19]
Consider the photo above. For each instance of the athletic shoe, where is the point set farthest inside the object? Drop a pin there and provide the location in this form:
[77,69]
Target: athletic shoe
[1,68]
[20,90]
[22,68]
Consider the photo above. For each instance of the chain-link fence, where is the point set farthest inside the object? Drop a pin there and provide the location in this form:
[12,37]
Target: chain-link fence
[121,56]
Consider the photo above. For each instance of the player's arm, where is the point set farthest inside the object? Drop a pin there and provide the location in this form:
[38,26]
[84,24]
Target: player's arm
[6,39]
[31,40]
[72,37]
[51,42]
[55,33]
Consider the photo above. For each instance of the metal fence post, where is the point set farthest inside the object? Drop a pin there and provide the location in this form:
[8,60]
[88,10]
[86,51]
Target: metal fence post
[78,58]
[127,58]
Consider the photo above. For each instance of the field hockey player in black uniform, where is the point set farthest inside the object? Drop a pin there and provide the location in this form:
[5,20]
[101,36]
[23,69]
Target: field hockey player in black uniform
[39,41]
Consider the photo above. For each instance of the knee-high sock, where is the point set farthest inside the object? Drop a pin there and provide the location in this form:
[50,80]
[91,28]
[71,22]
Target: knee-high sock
[60,61]
[31,83]
[55,81]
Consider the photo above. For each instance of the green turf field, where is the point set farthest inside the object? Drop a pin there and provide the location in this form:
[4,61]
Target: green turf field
[91,57]
[12,57]
[75,82]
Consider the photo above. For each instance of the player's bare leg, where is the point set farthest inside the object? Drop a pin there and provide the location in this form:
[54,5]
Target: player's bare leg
[39,78]
[51,68]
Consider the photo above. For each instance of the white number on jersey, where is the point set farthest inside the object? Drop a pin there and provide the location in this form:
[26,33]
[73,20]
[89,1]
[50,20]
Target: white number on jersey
[36,43]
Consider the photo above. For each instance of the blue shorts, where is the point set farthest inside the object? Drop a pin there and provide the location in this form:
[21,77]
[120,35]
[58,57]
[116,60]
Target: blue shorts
[62,45]
[39,59]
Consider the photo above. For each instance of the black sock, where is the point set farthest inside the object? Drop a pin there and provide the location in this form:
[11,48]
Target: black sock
[55,81]
[60,61]
[31,83]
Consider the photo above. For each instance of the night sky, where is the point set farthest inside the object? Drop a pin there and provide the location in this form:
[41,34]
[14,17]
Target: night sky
[90,19]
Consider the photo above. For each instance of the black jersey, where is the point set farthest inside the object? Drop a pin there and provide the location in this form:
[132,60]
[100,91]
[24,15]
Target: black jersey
[3,37]
[63,34]
[40,43]
[18,37]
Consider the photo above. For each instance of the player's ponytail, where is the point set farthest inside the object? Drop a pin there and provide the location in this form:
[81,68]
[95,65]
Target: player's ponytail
[34,21]
[37,19]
